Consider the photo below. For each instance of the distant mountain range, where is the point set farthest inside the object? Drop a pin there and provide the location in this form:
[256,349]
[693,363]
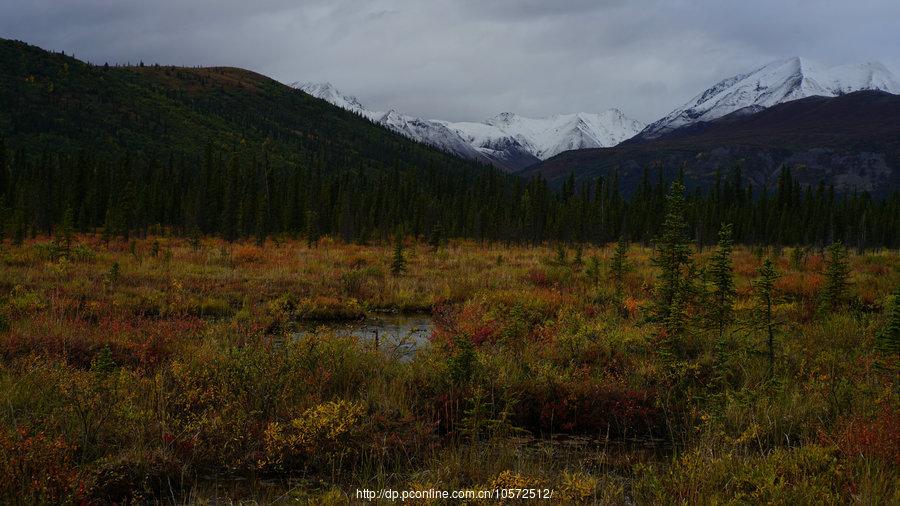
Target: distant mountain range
[507,140]
[789,112]
[514,142]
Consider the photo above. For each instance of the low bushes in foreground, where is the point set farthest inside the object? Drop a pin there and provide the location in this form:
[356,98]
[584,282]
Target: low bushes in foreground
[181,372]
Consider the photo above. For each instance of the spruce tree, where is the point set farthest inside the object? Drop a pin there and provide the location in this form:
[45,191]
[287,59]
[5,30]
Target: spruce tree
[19,226]
[398,263]
[593,269]
[671,257]
[194,238]
[312,229]
[617,270]
[765,285]
[722,274]
[798,257]
[66,231]
[676,321]
[262,219]
[837,274]
[721,311]
[103,363]
[5,178]
[113,274]
[115,222]
[888,340]
[436,237]
[561,254]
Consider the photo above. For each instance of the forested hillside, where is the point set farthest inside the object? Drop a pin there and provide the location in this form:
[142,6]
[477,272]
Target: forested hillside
[51,102]
[219,150]
[227,152]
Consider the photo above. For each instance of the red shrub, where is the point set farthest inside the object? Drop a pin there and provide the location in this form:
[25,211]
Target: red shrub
[875,438]
[38,469]
[132,341]
[588,407]
[538,277]
[470,322]
[484,333]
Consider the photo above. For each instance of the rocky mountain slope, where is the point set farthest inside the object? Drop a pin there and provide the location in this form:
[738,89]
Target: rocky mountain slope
[775,83]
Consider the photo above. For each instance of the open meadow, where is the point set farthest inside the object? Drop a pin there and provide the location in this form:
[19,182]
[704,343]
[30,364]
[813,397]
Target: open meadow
[167,369]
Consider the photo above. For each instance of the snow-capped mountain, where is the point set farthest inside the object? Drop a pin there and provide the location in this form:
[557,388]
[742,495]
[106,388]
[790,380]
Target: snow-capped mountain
[774,83]
[547,137]
[429,132]
[506,140]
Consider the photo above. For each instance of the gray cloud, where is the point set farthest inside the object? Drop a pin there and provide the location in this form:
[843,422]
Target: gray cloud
[470,59]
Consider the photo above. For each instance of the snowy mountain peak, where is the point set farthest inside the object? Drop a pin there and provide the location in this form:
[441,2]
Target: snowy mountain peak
[326,91]
[547,137]
[507,139]
[774,83]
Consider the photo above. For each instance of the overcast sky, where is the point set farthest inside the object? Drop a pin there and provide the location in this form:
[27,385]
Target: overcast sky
[471,59]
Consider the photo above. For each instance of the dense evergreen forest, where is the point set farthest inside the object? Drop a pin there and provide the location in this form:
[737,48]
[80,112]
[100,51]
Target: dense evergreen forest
[241,195]
[222,151]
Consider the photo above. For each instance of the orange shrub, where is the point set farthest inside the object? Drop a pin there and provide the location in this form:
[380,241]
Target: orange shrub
[746,265]
[797,284]
[244,254]
[815,263]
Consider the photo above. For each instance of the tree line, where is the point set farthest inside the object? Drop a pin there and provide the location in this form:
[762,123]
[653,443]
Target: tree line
[243,194]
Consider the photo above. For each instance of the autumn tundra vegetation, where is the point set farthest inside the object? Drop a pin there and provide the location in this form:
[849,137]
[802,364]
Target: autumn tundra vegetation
[161,368]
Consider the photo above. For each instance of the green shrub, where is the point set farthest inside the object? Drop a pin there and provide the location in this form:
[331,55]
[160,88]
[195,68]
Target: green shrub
[211,307]
[22,301]
[49,251]
[82,253]
[888,338]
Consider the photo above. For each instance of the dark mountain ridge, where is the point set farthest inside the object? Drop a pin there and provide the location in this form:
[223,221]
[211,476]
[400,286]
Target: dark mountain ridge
[851,141]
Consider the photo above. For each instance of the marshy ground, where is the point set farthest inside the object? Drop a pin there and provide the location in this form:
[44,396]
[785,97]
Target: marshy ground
[162,369]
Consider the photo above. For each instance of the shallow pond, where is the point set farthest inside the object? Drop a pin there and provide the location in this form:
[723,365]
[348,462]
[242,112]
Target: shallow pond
[396,334]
